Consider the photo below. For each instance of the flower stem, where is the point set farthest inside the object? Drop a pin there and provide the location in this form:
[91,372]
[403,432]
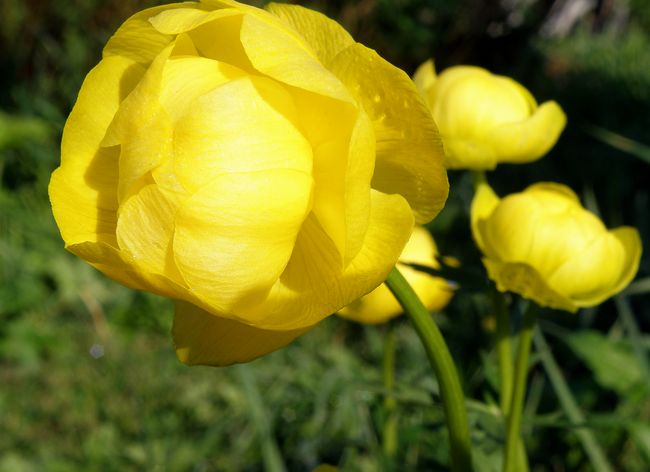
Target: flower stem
[592,448]
[451,393]
[503,343]
[513,427]
[390,404]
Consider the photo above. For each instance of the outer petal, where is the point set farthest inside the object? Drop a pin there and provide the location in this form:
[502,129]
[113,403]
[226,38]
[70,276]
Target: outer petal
[145,230]
[526,281]
[235,236]
[119,266]
[325,37]
[631,241]
[202,338]
[313,284]
[483,204]
[529,140]
[282,55]
[137,39]
[600,270]
[409,152]
[83,189]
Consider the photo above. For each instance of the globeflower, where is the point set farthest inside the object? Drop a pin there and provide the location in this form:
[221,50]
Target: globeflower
[486,119]
[258,166]
[542,244]
[435,293]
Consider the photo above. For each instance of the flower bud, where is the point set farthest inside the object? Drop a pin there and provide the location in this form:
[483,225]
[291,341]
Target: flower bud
[486,119]
[542,244]
[259,166]
[380,305]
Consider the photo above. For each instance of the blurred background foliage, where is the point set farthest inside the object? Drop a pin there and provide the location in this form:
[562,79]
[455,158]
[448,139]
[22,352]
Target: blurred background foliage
[88,377]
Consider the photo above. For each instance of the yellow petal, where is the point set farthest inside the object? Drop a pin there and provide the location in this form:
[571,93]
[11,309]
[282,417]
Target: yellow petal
[325,37]
[201,338]
[83,189]
[182,20]
[601,269]
[145,229]
[282,55]
[630,239]
[409,152]
[524,280]
[380,305]
[187,78]
[118,266]
[528,140]
[424,79]
[343,168]
[483,204]
[235,236]
[244,125]
[510,231]
[313,284]
[137,39]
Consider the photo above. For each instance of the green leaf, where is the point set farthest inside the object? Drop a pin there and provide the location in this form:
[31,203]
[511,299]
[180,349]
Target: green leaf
[620,142]
[612,362]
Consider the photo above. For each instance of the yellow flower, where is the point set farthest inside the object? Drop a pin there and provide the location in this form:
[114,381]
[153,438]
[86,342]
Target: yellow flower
[380,305]
[486,119]
[542,244]
[259,166]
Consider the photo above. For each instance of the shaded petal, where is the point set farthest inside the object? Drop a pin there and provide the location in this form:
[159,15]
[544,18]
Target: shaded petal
[83,189]
[201,338]
[524,280]
[118,266]
[235,236]
[325,36]
[528,140]
[145,230]
[483,204]
[314,285]
[245,125]
[409,151]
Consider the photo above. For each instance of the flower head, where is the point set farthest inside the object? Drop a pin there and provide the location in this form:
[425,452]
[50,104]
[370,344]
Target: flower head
[380,305]
[486,119]
[259,166]
[542,244]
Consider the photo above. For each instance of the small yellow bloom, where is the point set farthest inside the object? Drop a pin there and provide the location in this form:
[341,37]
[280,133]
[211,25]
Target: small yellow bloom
[259,166]
[435,292]
[486,119]
[542,244]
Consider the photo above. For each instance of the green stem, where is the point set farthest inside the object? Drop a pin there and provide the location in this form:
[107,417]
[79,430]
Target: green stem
[451,393]
[270,452]
[513,427]
[390,403]
[504,352]
[592,448]
[503,343]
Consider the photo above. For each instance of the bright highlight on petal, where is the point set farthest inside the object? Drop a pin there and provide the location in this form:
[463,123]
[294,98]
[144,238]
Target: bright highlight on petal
[542,244]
